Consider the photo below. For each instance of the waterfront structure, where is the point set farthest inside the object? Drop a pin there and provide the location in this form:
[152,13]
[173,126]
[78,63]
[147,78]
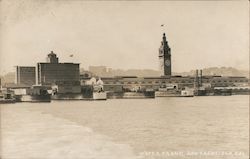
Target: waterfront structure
[131,83]
[165,57]
[25,75]
[52,71]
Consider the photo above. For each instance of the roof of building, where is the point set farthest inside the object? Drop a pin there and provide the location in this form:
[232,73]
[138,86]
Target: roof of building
[14,85]
[57,63]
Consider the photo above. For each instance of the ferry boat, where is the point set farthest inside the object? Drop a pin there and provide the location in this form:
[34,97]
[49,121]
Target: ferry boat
[148,93]
[173,91]
[7,96]
[169,90]
[136,95]
[71,90]
[114,95]
[69,96]
[36,93]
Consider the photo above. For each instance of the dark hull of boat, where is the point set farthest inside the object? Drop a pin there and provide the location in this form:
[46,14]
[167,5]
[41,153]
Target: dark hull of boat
[33,98]
[70,96]
[6,101]
[138,95]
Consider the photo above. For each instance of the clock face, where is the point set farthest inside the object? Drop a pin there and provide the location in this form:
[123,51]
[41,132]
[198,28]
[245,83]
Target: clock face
[167,62]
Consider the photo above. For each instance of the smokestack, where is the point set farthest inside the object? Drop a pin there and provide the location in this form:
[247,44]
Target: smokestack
[201,77]
[196,79]
[196,73]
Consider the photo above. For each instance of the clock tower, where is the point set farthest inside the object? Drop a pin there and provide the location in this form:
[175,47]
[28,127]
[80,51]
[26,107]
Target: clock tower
[165,57]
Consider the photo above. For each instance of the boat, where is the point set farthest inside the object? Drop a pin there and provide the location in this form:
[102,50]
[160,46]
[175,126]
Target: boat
[69,96]
[82,94]
[36,93]
[131,95]
[169,90]
[71,90]
[5,101]
[168,93]
[173,91]
[7,96]
[114,95]
[137,95]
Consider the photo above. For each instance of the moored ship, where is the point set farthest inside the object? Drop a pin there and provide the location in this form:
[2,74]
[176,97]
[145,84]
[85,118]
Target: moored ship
[169,90]
[7,96]
[173,91]
[167,93]
[71,90]
[36,93]
[69,96]
[148,93]
[137,95]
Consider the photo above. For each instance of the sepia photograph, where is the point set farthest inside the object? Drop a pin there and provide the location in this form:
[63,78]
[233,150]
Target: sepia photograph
[129,79]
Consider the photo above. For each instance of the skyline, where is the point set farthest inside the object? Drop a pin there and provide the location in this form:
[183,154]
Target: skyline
[200,34]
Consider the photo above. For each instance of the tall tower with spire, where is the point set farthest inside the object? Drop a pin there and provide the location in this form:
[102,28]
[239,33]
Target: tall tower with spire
[52,58]
[165,57]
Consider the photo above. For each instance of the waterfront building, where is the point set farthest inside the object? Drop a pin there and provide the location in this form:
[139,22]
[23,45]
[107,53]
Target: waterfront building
[165,57]
[52,71]
[25,75]
[121,83]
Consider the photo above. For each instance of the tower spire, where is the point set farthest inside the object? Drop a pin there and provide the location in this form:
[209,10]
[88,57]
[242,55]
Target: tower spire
[164,37]
[52,58]
[165,57]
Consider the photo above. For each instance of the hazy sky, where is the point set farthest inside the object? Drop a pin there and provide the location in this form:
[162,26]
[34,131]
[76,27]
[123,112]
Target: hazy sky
[125,34]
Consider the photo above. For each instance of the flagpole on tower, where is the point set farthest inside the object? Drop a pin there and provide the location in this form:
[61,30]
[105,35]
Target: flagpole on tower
[163,28]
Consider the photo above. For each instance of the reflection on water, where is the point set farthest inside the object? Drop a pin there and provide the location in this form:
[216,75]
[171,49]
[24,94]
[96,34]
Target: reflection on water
[196,124]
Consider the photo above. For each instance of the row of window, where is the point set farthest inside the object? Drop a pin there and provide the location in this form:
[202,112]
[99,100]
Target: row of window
[229,81]
[149,82]
[163,82]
